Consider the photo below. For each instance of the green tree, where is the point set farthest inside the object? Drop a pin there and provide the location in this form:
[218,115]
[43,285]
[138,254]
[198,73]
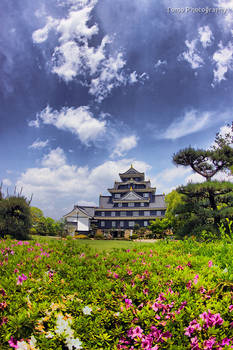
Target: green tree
[15,217]
[173,201]
[205,205]
[159,227]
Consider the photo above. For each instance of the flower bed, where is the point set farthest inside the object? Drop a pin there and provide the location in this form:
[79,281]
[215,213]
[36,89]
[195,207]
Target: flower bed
[64,295]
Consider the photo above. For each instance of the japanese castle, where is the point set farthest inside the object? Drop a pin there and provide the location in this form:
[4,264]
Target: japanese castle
[131,201]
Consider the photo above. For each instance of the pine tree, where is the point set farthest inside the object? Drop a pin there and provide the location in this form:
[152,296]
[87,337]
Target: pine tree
[206,205]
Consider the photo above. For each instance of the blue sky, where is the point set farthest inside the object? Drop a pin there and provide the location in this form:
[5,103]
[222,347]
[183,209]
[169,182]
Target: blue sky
[89,87]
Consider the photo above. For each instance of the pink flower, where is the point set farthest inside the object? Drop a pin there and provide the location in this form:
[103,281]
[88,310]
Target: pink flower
[210,263]
[21,279]
[135,332]
[189,285]
[115,275]
[208,344]
[195,280]
[2,291]
[13,342]
[231,308]
[128,303]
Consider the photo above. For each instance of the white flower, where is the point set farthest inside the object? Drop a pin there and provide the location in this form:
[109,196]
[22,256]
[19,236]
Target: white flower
[73,343]
[63,326]
[22,345]
[87,310]
[225,270]
[49,335]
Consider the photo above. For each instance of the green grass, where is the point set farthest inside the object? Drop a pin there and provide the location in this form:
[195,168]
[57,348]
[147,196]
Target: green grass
[99,245]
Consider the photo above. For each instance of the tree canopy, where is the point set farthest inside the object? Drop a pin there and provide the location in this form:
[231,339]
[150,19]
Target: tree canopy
[205,205]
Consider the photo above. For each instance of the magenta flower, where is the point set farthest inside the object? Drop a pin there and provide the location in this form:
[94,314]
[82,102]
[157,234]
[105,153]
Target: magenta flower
[115,275]
[13,343]
[189,285]
[208,344]
[135,332]
[21,279]
[195,280]
[231,308]
[210,263]
[128,303]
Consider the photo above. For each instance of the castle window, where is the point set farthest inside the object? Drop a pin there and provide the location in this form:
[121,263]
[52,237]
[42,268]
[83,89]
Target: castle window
[113,223]
[142,204]
[119,204]
[145,223]
[147,213]
[102,223]
[113,213]
[145,195]
[131,223]
[121,223]
[135,213]
[122,213]
[117,195]
[131,204]
[158,213]
[102,213]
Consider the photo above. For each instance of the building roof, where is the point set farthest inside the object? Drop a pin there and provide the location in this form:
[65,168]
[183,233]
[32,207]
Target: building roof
[131,172]
[157,202]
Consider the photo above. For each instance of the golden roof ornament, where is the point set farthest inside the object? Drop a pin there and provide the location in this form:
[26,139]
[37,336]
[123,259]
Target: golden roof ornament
[131,188]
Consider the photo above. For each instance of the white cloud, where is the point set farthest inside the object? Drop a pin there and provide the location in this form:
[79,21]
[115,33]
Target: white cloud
[58,184]
[169,178]
[223,59]
[79,121]
[191,122]
[220,176]
[76,57]
[54,159]
[160,63]
[41,35]
[6,182]
[226,132]
[206,36]
[110,76]
[124,145]
[192,55]
[38,144]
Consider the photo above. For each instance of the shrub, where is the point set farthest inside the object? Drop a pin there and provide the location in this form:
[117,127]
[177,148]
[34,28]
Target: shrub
[99,235]
[134,236]
[80,236]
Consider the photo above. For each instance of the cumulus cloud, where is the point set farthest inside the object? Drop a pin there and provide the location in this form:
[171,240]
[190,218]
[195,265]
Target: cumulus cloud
[170,178]
[124,145]
[223,60]
[6,182]
[38,144]
[206,36]
[220,176]
[191,122]
[41,35]
[79,121]
[76,57]
[192,55]
[63,185]
[54,159]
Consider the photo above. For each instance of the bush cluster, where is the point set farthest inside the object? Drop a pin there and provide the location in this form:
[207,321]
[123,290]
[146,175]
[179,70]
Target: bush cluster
[61,295]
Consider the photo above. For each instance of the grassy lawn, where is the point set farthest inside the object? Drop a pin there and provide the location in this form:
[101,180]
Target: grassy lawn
[99,245]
